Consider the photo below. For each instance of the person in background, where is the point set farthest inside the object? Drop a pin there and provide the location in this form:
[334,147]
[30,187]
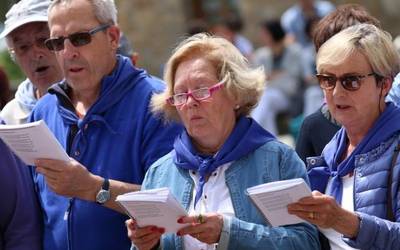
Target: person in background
[25,31]
[195,26]
[230,28]
[100,116]
[211,90]
[318,128]
[313,96]
[294,19]
[283,69]
[357,177]
[20,217]
[394,94]
[5,92]
[125,49]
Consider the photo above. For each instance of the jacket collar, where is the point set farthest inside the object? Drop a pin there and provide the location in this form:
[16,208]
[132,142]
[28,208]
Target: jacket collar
[113,88]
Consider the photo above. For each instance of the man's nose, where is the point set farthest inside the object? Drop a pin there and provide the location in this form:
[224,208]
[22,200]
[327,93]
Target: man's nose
[69,50]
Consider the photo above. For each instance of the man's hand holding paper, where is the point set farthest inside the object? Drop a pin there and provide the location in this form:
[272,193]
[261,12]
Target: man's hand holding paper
[69,178]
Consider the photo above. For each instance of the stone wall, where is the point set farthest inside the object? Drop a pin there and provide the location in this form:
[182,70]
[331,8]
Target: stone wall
[156,26]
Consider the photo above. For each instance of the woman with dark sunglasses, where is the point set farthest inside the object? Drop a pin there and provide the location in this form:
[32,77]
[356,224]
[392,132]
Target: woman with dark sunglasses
[356,179]
[211,91]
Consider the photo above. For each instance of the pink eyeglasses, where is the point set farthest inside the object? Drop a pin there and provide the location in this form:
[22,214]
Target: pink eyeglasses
[197,94]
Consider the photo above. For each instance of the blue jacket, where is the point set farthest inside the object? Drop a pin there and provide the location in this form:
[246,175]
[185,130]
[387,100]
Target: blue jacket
[20,227]
[118,139]
[370,197]
[248,229]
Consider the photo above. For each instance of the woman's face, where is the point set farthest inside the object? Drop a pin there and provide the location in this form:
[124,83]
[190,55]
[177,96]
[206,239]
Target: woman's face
[209,122]
[359,108]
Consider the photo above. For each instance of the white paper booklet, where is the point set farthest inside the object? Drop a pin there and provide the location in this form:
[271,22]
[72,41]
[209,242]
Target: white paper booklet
[157,207]
[272,199]
[32,141]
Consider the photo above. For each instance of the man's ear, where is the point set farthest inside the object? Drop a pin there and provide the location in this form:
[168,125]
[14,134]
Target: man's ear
[113,35]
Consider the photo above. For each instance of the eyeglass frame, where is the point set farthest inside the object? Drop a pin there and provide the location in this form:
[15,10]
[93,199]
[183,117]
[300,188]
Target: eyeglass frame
[90,33]
[38,42]
[342,79]
[211,90]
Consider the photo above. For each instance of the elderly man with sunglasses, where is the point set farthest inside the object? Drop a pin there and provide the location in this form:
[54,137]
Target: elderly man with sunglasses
[100,115]
[25,31]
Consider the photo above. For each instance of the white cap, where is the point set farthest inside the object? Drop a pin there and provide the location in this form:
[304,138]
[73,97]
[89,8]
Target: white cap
[23,12]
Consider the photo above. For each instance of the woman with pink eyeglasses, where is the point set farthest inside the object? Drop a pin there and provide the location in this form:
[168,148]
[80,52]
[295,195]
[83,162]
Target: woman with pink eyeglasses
[211,91]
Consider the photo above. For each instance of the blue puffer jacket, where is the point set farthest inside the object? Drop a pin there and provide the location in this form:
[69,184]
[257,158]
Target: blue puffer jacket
[370,197]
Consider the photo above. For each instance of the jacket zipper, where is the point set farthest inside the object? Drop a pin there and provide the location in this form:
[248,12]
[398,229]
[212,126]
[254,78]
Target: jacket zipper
[68,218]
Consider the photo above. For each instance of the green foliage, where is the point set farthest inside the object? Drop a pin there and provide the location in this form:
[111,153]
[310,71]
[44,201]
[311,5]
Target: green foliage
[14,73]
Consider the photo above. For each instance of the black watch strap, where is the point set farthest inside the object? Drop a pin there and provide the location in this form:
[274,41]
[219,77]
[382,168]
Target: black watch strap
[106,184]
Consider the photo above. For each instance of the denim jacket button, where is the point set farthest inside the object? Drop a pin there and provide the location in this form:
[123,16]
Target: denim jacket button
[313,161]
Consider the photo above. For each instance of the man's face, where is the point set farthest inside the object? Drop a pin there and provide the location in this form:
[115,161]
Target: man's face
[38,63]
[83,66]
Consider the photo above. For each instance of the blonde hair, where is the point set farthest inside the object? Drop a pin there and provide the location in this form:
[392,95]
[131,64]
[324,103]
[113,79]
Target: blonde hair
[375,44]
[243,84]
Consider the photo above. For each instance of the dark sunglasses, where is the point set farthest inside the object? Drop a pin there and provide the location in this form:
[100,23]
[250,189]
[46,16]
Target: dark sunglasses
[77,39]
[348,82]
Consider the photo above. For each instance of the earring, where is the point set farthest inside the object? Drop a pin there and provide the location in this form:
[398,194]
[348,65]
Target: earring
[237,107]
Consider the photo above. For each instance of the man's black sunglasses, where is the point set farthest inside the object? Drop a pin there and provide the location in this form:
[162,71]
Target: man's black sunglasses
[348,82]
[77,39]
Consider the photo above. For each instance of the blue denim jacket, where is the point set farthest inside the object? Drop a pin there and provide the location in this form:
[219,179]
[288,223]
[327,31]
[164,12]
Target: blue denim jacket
[248,229]
[370,197]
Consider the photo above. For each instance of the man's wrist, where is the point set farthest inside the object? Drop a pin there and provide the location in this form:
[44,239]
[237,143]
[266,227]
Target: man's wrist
[94,187]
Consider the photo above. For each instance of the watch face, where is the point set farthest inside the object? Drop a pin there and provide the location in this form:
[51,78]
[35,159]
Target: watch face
[102,196]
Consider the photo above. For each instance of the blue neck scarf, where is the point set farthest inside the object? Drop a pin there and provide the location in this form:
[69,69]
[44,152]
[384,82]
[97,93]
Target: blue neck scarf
[387,125]
[246,137]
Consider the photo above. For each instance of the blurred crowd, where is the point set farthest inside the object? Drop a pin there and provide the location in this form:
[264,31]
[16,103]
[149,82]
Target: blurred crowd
[208,131]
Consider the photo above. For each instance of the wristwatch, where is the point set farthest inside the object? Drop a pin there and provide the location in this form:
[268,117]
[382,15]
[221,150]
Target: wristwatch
[104,194]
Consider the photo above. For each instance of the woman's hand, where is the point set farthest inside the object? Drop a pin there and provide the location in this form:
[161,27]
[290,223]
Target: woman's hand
[143,238]
[322,210]
[206,228]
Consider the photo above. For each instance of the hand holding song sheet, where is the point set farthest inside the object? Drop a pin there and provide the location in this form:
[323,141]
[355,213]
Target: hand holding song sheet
[154,207]
[273,198]
[32,141]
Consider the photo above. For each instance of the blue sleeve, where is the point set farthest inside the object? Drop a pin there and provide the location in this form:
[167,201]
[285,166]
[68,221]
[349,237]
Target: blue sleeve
[246,235]
[376,233]
[286,21]
[20,221]
[394,93]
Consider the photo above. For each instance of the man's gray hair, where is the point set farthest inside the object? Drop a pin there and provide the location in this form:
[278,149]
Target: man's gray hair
[104,10]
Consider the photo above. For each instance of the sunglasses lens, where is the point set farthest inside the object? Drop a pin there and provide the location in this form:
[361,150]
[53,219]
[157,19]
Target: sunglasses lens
[351,82]
[80,39]
[326,82]
[55,44]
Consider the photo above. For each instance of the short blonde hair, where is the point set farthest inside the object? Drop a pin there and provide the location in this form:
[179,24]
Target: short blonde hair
[243,84]
[375,44]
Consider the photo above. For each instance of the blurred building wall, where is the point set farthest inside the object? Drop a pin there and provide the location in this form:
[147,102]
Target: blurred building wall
[156,26]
